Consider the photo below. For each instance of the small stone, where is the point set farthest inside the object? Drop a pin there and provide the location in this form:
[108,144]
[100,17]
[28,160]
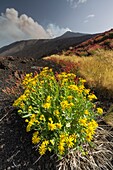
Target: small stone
[10,58]
[23,61]
[2,146]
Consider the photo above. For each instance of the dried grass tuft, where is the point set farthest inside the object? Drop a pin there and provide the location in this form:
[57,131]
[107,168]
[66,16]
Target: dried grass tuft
[97,157]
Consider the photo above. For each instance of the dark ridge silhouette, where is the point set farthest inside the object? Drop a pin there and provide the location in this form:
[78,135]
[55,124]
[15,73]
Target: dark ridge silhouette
[70,34]
[44,47]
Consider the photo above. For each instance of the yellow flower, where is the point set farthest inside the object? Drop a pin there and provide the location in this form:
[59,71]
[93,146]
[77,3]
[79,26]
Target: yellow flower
[61,148]
[41,82]
[99,110]
[29,108]
[45,68]
[31,122]
[71,104]
[51,126]
[73,87]
[64,104]
[69,97]
[58,125]
[71,75]
[43,147]
[56,112]
[22,105]
[50,69]
[86,112]
[81,88]
[74,137]
[19,111]
[89,137]
[49,149]
[91,97]
[48,99]
[46,142]
[50,119]
[33,117]
[46,105]
[63,137]
[64,81]
[83,121]
[52,78]
[69,141]
[90,130]
[42,117]
[23,97]
[37,122]
[94,124]
[86,91]
[28,128]
[26,120]
[82,80]
[35,138]
[33,82]
[52,142]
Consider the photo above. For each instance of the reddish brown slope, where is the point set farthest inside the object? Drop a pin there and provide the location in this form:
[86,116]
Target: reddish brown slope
[101,41]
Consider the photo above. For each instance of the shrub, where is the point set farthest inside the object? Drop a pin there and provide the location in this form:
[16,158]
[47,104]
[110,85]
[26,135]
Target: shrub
[59,111]
[66,64]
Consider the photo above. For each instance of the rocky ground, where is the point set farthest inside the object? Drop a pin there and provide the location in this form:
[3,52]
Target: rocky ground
[17,152]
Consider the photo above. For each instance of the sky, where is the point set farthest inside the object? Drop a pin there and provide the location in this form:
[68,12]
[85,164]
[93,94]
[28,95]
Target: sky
[38,19]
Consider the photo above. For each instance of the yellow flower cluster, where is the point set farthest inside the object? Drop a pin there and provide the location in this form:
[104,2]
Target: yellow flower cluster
[64,77]
[99,110]
[46,105]
[19,101]
[83,121]
[52,126]
[42,118]
[90,130]
[59,110]
[66,141]
[91,97]
[43,147]
[89,127]
[66,105]
[67,76]
[73,87]
[35,138]
[31,122]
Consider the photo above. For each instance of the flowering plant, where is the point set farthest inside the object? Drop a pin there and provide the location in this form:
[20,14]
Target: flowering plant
[59,109]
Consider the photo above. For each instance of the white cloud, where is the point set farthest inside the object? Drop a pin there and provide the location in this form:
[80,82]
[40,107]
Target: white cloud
[90,16]
[15,28]
[75,3]
[85,21]
[55,30]
[82,1]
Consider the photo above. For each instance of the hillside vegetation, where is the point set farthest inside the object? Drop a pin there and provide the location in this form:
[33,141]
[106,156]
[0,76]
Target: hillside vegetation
[96,69]
[100,41]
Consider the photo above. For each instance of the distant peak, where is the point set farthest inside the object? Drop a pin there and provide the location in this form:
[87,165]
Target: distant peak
[70,34]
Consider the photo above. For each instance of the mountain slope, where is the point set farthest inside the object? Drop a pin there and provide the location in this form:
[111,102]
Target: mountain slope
[100,41]
[42,47]
[70,34]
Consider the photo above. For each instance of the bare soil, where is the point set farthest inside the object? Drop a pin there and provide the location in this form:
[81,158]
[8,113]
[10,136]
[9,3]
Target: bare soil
[16,149]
